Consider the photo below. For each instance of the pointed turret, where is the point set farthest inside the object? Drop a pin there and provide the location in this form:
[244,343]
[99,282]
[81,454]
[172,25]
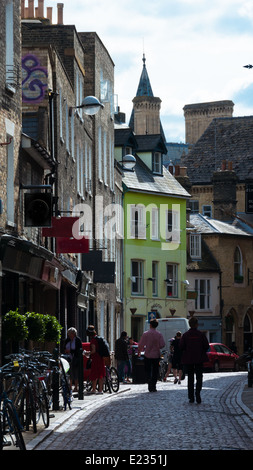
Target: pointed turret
[144,88]
[145,117]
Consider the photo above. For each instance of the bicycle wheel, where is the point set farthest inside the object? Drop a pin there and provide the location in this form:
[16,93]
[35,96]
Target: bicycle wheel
[12,427]
[114,379]
[42,404]
[29,408]
[107,384]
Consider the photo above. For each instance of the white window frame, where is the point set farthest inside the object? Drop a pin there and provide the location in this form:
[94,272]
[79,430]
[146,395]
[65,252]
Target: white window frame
[195,245]
[105,156]
[203,288]
[172,280]
[155,278]
[67,127]
[138,221]
[155,223]
[100,153]
[137,281]
[172,223]
[157,162]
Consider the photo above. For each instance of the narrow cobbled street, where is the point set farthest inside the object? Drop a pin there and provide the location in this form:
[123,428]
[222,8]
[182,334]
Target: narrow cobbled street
[138,420]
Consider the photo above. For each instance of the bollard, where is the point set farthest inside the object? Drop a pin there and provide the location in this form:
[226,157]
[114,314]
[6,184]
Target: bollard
[55,387]
[80,375]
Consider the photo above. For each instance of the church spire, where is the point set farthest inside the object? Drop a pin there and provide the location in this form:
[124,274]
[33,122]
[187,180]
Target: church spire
[144,87]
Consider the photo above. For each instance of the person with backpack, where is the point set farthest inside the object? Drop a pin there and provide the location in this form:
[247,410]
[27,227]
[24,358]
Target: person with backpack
[97,371]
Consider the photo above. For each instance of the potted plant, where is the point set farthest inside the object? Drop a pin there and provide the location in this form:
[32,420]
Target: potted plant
[14,326]
[36,326]
[52,329]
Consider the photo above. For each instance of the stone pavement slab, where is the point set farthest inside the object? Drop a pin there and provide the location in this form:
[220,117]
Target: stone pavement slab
[91,403]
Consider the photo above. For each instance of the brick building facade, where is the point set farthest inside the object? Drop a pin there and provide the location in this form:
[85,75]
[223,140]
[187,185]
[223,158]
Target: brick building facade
[56,149]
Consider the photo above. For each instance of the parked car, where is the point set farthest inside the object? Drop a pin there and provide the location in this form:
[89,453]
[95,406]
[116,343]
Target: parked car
[250,367]
[221,357]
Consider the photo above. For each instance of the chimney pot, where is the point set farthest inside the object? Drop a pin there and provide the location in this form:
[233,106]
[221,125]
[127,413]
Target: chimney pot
[223,165]
[177,170]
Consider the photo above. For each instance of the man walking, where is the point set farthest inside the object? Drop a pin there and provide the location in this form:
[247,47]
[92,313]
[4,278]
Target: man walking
[194,345]
[121,355]
[152,341]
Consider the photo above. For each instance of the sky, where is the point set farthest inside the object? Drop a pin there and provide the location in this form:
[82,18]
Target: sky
[195,51]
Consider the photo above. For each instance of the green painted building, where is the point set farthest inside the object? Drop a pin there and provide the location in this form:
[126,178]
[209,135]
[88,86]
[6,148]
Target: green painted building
[154,208]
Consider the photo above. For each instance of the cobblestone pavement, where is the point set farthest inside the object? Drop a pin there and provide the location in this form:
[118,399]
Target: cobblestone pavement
[138,420]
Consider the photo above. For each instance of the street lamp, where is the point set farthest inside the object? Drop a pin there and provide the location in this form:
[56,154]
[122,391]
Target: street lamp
[129,162]
[90,105]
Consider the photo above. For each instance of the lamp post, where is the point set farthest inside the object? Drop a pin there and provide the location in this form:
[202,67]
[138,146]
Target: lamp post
[90,104]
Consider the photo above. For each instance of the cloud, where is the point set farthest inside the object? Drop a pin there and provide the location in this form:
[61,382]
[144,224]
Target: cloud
[195,49]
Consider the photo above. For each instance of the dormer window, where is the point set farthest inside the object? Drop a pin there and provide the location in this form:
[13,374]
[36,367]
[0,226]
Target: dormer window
[195,245]
[157,163]
[127,151]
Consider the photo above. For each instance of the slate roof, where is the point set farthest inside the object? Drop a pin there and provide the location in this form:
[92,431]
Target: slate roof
[206,225]
[142,179]
[229,139]
[124,136]
[151,142]
[199,223]
[206,263]
[144,87]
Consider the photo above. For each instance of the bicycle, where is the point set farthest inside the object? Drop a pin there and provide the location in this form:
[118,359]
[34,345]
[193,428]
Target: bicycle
[10,426]
[113,378]
[21,390]
[111,381]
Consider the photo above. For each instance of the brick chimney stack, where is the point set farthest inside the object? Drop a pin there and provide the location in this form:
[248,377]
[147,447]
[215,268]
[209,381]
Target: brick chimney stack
[40,8]
[224,192]
[38,12]
[60,13]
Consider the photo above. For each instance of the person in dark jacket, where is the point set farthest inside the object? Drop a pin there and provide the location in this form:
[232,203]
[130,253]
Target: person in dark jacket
[73,345]
[176,358]
[121,355]
[194,345]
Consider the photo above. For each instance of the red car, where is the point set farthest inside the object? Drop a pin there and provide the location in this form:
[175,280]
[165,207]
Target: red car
[220,357]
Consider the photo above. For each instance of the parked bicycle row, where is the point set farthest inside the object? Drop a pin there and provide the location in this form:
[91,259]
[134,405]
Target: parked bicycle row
[31,383]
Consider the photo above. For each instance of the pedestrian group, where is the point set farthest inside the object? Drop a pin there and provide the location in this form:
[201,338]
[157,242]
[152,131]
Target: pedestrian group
[187,354]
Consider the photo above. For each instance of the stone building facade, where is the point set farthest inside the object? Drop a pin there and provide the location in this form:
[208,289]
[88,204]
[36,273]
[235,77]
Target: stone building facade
[10,124]
[49,145]
[199,116]
[83,149]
